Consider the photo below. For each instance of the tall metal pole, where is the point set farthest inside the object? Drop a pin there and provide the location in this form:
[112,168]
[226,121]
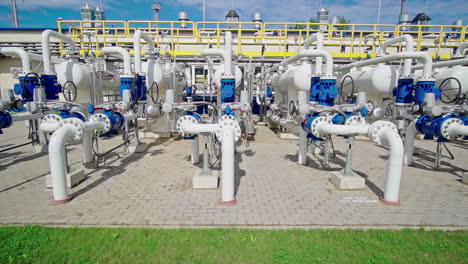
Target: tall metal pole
[15,13]
[378,13]
[204,11]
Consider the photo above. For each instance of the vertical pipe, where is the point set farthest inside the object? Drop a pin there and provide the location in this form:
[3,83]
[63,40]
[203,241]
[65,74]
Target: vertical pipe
[227,164]
[195,156]
[394,166]
[57,161]
[228,53]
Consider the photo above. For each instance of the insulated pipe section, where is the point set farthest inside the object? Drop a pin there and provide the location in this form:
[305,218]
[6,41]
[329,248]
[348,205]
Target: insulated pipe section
[458,130]
[443,64]
[461,49]
[46,35]
[424,57]
[139,35]
[125,56]
[408,39]
[195,156]
[317,37]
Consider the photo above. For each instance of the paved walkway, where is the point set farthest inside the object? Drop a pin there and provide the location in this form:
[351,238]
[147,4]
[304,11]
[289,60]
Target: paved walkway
[154,188]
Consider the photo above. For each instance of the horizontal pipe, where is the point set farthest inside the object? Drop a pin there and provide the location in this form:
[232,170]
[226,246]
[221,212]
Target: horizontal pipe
[309,53]
[457,130]
[424,57]
[26,116]
[127,60]
[342,130]
[442,64]
[199,128]
[46,35]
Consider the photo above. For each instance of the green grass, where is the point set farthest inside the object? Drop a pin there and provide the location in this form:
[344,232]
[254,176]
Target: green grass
[34,244]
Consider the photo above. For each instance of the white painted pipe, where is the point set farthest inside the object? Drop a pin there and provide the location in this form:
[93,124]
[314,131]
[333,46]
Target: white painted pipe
[207,53]
[409,143]
[443,64]
[46,35]
[24,56]
[227,164]
[199,128]
[342,130]
[58,161]
[195,156]
[408,39]
[424,57]
[318,37]
[139,35]
[394,165]
[26,116]
[48,127]
[310,53]
[90,128]
[456,130]
[386,135]
[127,60]
[228,53]
[461,49]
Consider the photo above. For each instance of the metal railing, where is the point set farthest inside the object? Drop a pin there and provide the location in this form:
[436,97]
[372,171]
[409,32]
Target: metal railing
[276,39]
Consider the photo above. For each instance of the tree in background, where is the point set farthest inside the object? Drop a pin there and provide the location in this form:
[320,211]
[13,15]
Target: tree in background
[343,20]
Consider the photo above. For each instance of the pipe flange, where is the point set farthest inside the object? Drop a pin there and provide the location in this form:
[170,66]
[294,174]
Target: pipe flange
[52,118]
[316,122]
[376,129]
[76,124]
[355,120]
[100,117]
[228,121]
[185,120]
[446,127]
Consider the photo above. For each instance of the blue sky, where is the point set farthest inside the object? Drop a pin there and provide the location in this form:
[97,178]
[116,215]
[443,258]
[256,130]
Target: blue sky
[44,13]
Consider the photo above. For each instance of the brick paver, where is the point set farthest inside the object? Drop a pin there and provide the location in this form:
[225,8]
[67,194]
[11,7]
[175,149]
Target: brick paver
[154,188]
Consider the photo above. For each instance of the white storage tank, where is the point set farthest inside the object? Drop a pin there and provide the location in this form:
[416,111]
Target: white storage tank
[450,87]
[80,75]
[373,80]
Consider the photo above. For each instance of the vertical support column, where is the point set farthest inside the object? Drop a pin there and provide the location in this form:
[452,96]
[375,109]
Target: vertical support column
[302,155]
[195,156]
